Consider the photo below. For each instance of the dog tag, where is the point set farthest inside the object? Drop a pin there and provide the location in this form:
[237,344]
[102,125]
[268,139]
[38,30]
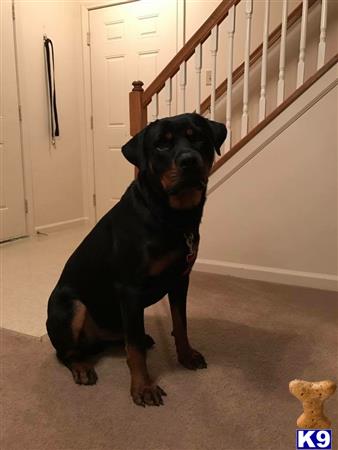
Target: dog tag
[190,243]
[191,256]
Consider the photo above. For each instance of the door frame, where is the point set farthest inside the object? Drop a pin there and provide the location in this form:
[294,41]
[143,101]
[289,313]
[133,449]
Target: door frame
[86,110]
[25,152]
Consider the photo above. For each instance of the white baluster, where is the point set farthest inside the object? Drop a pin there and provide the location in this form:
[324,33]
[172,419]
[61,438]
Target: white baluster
[262,100]
[322,37]
[302,45]
[281,76]
[183,83]
[213,51]
[168,95]
[198,69]
[231,32]
[245,116]
[154,107]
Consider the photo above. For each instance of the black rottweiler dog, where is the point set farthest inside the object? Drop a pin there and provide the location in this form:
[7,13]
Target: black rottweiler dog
[141,250]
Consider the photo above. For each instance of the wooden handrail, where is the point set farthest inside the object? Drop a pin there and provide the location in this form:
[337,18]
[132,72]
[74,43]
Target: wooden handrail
[188,49]
[274,37]
[297,93]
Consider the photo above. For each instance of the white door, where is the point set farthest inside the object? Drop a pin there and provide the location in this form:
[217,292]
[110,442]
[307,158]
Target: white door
[12,206]
[131,41]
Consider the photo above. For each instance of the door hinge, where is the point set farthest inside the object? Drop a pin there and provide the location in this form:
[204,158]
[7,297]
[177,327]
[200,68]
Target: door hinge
[13,10]
[88,38]
[20,114]
[26,206]
[94,199]
[91,122]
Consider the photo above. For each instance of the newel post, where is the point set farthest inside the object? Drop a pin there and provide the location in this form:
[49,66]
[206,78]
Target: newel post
[137,112]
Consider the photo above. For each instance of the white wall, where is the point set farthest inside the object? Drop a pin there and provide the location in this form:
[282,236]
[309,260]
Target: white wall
[56,180]
[57,183]
[273,215]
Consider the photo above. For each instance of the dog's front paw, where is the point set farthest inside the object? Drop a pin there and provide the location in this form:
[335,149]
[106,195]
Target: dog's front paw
[147,394]
[192,359]
[83,373]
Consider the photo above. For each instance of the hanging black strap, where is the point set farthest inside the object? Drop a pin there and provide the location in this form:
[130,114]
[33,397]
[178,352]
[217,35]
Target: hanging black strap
[51,88]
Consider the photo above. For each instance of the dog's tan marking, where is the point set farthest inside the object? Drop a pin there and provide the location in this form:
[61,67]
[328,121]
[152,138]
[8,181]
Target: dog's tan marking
[83,372]
[93,332]
[79,316]
[158,266]
[136,360]
[84,324]
[187,199]
[170,177]
[179,330]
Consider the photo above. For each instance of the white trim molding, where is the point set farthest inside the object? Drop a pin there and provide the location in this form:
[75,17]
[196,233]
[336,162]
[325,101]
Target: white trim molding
[57,226]
[93,4]
[87,148]
[269,274]
[25,137]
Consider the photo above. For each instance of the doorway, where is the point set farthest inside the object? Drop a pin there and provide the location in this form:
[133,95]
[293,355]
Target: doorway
[130,41]
[12,201]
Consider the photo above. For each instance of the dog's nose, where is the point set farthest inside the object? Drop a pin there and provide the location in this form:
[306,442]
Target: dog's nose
[187,161]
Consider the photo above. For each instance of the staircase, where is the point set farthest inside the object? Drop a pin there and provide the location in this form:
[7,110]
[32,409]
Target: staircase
[271,213]
[253,94]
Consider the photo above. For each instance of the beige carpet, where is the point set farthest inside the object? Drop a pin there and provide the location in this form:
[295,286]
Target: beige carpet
[255,336]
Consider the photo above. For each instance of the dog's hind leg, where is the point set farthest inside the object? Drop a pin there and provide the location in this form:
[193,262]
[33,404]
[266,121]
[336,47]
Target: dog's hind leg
[65,323]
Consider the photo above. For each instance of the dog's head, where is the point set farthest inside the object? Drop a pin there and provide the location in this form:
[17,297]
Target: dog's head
[179,152]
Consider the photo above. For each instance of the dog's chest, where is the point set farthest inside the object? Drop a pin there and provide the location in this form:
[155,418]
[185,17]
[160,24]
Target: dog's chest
[165,263]
[161,263]
[175,259]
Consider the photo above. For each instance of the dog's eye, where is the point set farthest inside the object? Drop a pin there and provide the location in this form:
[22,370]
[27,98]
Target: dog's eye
[193,135]
[165,142]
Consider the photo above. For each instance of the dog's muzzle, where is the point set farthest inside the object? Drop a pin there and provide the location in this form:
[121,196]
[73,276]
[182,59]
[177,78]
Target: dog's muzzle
[191,170]
[192,176]
[189,162]
[187,184]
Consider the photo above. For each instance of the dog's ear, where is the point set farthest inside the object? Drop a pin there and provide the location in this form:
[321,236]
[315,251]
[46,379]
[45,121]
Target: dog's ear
[133,150]
[219,133]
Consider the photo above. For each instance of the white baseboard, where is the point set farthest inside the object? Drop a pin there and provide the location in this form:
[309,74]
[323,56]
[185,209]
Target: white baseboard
[57,226]
[270,274]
